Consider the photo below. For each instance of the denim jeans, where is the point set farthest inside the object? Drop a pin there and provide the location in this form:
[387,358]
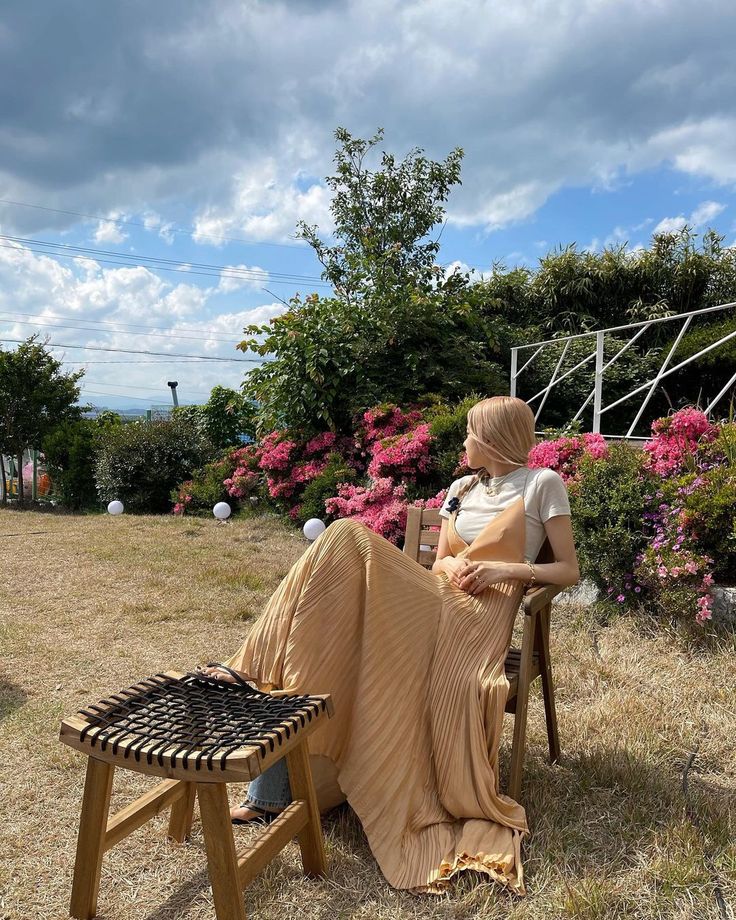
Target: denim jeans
[271,790]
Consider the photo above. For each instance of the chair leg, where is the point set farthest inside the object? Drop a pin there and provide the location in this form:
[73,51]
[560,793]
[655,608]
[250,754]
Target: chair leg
[222,860]
[302,788]
[548,689]
[182,813]
[522,702]
[91,839]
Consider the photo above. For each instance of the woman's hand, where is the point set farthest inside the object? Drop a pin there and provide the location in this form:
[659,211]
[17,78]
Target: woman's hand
[481,575]
[454,568]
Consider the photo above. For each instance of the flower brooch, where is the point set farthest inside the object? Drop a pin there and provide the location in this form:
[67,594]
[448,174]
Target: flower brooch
[453,505]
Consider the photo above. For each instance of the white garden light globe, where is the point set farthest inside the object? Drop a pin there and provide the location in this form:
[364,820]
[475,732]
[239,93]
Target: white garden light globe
[313,528]
[115,507]
[222,511]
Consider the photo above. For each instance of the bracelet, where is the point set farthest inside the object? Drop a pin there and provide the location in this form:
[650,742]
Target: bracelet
[532,577]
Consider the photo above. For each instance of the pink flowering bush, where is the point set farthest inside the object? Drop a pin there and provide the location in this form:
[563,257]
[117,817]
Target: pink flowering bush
[676,439]
[563,455]
[381,506]
[244,479]
[402,456]
[289,464]
[387,421]
[654,526]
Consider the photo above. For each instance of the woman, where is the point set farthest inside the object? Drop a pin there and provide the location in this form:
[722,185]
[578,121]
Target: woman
[414,661]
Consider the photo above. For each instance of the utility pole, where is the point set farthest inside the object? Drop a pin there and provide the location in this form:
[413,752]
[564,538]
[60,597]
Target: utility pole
[174,384]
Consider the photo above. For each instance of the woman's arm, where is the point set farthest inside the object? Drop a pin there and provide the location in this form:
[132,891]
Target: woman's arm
[445,561]
[563,571]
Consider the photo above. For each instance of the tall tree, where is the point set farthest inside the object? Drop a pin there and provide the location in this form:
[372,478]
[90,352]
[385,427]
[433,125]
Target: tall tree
[397,328]
[35,397]
[383,218]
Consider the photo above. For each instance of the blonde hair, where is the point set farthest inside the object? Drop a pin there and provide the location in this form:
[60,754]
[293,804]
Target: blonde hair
[503,427]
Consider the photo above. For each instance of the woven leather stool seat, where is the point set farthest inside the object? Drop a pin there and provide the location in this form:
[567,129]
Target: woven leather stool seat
[200,734]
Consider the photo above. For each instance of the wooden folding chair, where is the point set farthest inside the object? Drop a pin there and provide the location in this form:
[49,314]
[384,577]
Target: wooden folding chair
[523,665]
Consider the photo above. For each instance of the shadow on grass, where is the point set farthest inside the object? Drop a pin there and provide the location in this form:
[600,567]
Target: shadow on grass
[601,808]
[593,814]
[177,902]
[12,697]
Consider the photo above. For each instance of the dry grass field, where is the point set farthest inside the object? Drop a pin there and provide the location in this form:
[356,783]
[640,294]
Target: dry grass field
[637,821]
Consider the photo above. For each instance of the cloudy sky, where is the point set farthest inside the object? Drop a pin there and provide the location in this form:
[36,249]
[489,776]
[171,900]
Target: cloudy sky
[200,132]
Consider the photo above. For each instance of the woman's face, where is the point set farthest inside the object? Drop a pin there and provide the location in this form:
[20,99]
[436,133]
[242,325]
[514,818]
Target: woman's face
[475,458]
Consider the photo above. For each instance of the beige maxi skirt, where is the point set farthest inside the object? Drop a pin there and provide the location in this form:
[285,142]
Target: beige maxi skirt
[415,668]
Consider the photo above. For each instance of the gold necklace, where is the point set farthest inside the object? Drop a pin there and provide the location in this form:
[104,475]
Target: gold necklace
[492,488]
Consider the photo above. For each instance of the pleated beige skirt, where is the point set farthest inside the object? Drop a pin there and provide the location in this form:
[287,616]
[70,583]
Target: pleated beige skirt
[415,668]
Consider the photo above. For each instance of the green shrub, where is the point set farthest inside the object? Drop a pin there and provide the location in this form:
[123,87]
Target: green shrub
[70,458]
[205,489]
[607,503]
[324,486]
[447,425]
[710,509]
[141,463]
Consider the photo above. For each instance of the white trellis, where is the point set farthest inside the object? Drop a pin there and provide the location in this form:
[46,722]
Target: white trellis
[600,368]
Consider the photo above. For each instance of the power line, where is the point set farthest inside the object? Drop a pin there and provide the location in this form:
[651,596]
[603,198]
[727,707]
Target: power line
[130,264]
[129,351]
[153,335]
[123,386]
[164,226]
[134,361]
[103,322]
[146,399]
[228,271]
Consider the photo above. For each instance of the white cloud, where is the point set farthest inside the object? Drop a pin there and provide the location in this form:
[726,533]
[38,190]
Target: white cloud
[107,231]
[164,229]
[671,224]
[231,280]
[139,312]
[265,202]
[541,95]
[705,212]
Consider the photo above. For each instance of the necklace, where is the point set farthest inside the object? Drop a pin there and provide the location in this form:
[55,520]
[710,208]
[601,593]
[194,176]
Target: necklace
[492,484]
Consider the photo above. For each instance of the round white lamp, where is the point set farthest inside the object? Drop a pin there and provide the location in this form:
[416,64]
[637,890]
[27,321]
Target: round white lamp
[222,511]
[313,528]
[115,507]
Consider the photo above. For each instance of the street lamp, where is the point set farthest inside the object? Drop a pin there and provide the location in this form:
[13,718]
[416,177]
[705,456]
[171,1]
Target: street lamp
[174,384]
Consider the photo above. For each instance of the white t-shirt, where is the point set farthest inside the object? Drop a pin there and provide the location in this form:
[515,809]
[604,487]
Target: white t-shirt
[545,497]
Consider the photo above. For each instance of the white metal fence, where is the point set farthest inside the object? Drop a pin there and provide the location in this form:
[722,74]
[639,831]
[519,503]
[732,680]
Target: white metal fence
[600,366]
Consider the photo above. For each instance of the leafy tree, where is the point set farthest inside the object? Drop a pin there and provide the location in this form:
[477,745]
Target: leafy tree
[397,329]
[35,397]
[70,456]
[333,358]
[383,218]
[225,416]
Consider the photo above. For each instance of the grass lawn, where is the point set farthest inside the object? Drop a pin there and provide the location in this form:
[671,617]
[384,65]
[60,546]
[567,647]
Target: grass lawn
[91,604]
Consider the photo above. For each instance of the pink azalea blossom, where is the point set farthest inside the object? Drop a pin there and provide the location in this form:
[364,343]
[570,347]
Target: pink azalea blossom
[563,455]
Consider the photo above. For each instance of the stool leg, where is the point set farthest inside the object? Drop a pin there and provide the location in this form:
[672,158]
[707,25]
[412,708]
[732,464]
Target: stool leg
[222,860]
[182,813]
[302,787]
[90,843]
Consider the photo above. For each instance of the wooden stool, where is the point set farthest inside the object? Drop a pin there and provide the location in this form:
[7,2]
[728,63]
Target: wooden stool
[201,734]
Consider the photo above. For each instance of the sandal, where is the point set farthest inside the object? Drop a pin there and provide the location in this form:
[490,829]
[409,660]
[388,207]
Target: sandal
[240,680]
[261,815]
